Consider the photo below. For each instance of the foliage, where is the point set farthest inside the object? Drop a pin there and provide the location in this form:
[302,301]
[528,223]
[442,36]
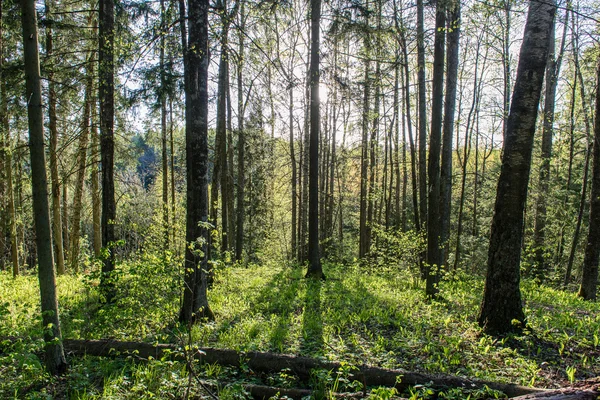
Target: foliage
[354,317]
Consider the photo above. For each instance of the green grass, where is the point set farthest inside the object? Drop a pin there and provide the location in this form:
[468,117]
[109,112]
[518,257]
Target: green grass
[356,316]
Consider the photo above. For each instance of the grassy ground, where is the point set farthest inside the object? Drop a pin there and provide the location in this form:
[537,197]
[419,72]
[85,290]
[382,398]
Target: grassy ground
[378,318]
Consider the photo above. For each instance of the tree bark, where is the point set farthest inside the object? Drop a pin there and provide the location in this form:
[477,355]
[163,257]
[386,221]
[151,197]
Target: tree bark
[314,258]
[95,184]
[422,115]
[364,158]
[301,366]
[589,279]
[241,183]
[6,167]
[163,126]
[107,142]
[81,167]
[55,357]
[539,234]
[454,22]
[434,260]
[56,187]
[196,58]
[588,134]
[501,308]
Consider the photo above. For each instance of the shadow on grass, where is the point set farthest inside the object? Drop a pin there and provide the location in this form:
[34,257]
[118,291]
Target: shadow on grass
[312,320]
[279,298]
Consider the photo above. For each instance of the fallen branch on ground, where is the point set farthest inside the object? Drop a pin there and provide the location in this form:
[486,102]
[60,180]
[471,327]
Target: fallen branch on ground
[301,366]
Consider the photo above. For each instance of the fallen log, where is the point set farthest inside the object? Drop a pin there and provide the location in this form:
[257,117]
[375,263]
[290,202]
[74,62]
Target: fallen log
[585,390]
[301,366]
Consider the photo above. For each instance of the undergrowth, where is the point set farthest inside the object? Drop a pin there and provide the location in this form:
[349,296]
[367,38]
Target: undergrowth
[357,316]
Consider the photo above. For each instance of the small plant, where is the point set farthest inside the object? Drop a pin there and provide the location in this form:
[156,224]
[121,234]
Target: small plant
[382,393]
[571,370]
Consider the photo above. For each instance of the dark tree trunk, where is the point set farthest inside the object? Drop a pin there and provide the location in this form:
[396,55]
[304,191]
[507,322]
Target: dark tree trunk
[241,179]
[411,143]
[221,133]
[163,126]
[364,158]
[434,259]
[56,216]
[55,357]
[314,269]
[6,171]
[539,234]
[501,308]
[195,301]
[95,184]
[588,133]
[589,279]
[448,130]
[107,142]
[422,115]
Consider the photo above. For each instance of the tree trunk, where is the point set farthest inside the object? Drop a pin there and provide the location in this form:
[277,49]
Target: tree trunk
[364,158]
[314,268]
[56,215]
[81,167]
[466,155]
[95,183]
[300,366]
[221,131]
[583,198]
[163,126]
[6,166]
[434,259]
[239,241]
[413,152]
[501,308]
[453,22]
[422,115]
[55,357]
[539,234]
[589,279]
[107,142]
[195,301]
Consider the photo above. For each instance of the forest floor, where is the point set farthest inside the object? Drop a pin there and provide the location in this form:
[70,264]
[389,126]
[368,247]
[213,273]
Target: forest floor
[357,316]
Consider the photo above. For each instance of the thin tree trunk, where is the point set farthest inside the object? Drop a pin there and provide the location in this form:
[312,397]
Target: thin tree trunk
[6,166]
[539,234]
[364,158]
[422,115]
[163,126]
[561,241]
[506,66]
[81,167]
[239,242]
[589,278]
[501,309]
[448,130]
[55,357]
[65,213]
[588,134]
[411,143]
[96,195]
[466,156]
[56,215]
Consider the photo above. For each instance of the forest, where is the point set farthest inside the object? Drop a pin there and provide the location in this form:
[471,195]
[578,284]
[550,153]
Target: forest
[236,199]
